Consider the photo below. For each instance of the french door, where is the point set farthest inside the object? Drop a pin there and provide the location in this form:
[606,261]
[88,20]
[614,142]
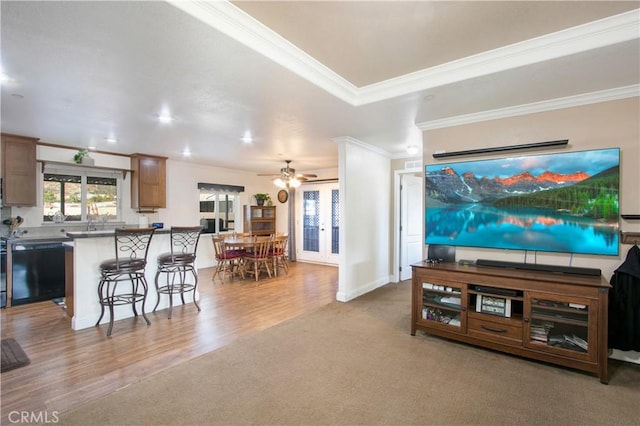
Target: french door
[318,223]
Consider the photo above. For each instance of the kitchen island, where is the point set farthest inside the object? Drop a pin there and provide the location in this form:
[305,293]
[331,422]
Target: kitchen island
[89,250]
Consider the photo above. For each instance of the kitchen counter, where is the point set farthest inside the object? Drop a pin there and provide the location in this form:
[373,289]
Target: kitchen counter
[35,240]
[106,233]
[89,250]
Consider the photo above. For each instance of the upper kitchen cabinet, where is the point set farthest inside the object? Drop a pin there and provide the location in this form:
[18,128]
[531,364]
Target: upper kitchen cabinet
[148,181]
[18,170]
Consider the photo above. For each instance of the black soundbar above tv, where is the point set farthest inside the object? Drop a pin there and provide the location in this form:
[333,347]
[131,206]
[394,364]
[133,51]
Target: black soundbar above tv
[540,267]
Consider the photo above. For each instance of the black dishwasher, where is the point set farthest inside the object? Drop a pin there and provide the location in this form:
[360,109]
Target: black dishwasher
[37,271]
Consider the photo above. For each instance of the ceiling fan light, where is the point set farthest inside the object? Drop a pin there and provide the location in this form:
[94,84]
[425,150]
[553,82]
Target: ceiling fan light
[412,149]
[294,183]
[280,183]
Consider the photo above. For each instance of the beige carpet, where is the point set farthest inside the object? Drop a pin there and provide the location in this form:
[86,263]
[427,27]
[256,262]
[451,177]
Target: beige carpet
[357,364]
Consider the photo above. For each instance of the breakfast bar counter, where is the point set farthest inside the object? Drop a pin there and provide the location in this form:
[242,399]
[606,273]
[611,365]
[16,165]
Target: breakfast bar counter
[89,250]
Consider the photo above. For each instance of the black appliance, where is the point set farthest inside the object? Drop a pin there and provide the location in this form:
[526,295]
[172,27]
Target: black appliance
[3,275]
[37,271]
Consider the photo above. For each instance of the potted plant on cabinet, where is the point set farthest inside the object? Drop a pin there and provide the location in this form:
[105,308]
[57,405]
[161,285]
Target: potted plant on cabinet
[82,157]
[261,198]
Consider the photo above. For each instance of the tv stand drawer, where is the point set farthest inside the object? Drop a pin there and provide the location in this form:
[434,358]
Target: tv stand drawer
[503,330]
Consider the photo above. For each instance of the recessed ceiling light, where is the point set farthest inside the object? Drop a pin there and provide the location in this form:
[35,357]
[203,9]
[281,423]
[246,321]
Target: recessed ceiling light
[246,138]
[91,148]
[111,140]
[186,152]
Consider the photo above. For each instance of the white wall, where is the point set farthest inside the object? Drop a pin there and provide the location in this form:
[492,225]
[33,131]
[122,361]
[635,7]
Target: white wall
[365,197]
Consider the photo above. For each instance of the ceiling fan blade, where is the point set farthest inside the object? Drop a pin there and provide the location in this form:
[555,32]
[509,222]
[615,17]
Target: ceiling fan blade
[288,172]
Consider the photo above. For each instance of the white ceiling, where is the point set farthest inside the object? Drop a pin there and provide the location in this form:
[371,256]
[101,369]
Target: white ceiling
[299,75]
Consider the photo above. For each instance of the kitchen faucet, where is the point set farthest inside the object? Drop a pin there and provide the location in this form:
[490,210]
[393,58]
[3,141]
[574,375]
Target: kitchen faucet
[90,225]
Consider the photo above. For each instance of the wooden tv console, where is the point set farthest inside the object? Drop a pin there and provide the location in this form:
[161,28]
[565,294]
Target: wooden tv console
[551,317]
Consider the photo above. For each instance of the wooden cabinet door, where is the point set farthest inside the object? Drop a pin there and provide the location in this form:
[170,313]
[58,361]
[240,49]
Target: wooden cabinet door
[441,304]
[260,220]
[18,171]
[562,325]
[148,181]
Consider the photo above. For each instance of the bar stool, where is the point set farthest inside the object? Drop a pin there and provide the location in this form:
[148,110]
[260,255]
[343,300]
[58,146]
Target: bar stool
[176,263]
[131,246]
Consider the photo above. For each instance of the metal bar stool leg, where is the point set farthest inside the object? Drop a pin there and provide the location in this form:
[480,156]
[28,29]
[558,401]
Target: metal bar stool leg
[195,287]
[157,289]
[100,289]
[144,298]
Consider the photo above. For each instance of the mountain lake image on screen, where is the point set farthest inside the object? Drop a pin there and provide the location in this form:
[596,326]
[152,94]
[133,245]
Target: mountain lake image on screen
[562,202]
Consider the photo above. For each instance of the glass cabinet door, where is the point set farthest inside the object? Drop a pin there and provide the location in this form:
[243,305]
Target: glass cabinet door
[560,325]
[443,305]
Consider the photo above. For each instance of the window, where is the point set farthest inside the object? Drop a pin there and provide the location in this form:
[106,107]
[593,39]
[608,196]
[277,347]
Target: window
[80,194]
[218,204]
[217,212]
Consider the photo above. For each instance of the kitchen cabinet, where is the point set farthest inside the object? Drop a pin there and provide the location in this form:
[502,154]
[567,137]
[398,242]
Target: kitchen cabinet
[19,180]
[148,182]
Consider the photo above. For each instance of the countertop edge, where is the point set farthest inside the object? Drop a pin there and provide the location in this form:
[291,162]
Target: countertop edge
[105,233]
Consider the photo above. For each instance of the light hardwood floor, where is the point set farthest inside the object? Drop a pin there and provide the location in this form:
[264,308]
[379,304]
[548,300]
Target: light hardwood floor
[70,367]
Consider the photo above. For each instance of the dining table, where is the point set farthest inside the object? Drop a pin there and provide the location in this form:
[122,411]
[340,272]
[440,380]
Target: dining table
[243,242]
[247,243]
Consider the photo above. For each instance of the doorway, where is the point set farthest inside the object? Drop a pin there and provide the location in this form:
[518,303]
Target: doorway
[318,223]
[409,219]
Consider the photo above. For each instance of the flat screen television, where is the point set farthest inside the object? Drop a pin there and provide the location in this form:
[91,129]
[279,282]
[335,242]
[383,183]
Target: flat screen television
[562,202]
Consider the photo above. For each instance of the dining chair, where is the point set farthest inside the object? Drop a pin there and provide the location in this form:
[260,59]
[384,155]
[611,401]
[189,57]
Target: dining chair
[278,253]
[258,259]
[229,260]
[176,263]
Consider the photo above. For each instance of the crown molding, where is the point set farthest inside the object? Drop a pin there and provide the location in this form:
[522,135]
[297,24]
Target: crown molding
[232,21]
[549,105]
[242,27]
[604,32]
[348,140]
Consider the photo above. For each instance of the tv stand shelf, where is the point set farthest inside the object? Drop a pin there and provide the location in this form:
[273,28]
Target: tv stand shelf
[551,317]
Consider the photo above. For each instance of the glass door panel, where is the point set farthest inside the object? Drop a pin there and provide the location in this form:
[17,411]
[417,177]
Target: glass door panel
[559,324]
[318,223]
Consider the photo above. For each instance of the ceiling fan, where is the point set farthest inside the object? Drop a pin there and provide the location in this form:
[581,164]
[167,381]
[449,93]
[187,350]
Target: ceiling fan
[288,178]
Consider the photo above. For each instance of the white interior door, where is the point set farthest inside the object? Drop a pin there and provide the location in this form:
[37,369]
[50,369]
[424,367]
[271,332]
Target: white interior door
[411,218]
[318,223]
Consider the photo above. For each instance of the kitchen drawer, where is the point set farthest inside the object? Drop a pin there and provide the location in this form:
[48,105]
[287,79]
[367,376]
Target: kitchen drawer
[496,329]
